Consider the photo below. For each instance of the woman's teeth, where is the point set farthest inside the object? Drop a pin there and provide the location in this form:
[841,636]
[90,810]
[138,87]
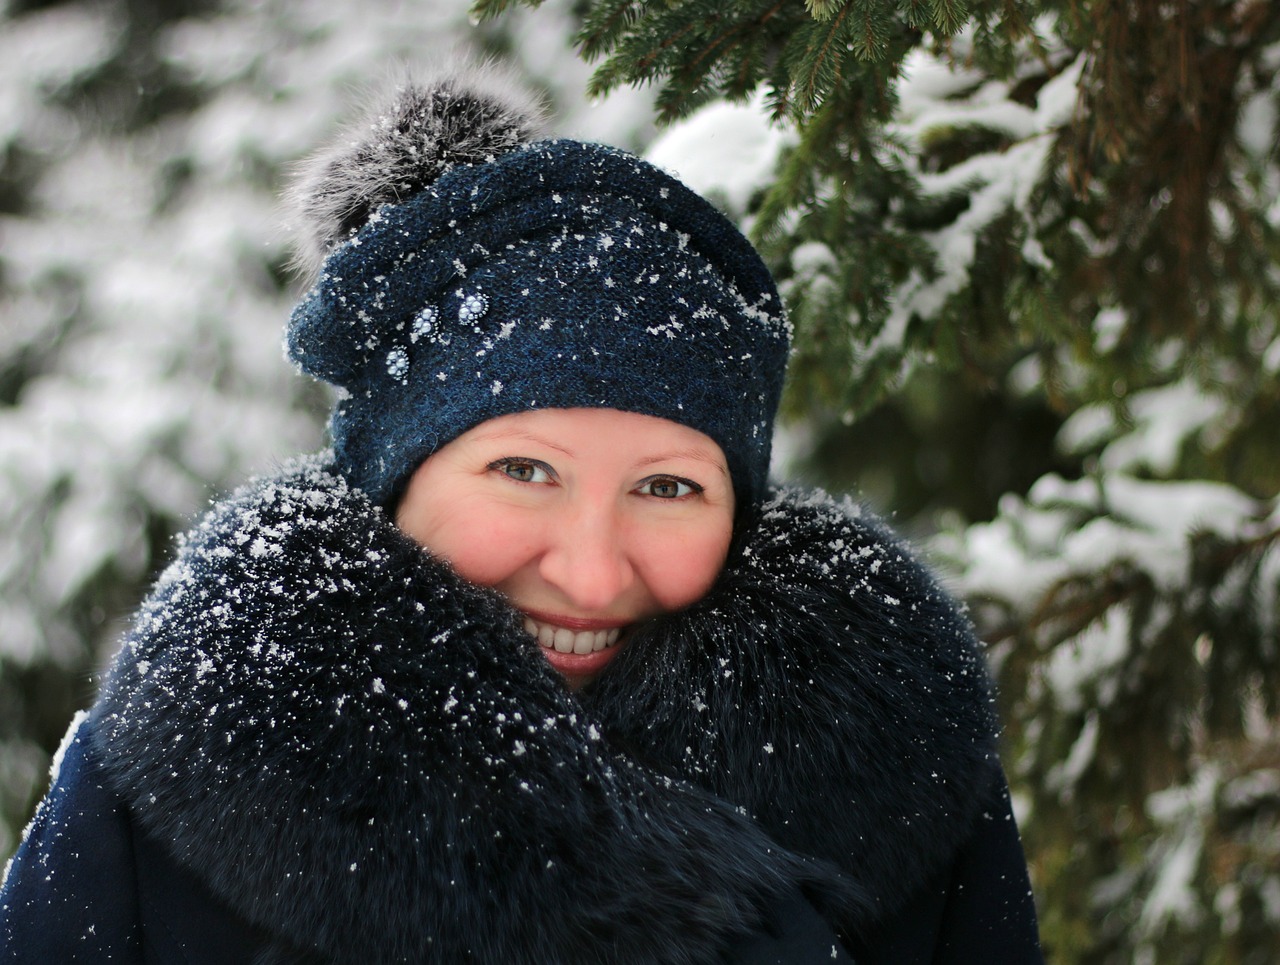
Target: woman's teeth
[570,641]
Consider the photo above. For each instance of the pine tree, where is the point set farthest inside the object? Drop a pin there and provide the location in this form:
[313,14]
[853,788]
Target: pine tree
[1043,237]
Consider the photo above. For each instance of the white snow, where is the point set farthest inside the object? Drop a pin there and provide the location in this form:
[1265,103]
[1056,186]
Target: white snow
[1064,776]
[936,96]
[726,152]
[1066,529]
[1082,673]
[1108,326]
[1256,126]
[995,184]
[1185,813]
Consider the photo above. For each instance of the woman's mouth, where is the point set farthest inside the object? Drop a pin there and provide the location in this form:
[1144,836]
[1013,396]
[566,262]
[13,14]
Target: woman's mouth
[564,640]
[578,651]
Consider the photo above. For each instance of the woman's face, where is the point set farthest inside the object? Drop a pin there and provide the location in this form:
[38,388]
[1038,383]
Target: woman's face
[587,520]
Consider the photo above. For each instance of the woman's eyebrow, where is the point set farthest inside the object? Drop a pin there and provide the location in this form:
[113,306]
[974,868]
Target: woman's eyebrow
[521,435]
[692,452]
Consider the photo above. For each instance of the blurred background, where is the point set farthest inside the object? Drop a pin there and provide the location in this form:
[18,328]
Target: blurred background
[1031,255]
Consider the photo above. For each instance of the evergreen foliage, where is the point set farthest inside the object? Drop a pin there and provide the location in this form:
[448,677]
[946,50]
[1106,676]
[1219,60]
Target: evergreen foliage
[1004,225]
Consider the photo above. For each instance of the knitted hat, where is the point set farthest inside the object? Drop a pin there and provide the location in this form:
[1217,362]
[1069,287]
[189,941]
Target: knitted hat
[470,271]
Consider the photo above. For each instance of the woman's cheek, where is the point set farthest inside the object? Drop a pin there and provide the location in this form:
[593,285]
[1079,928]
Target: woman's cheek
[681,573]
[489,548]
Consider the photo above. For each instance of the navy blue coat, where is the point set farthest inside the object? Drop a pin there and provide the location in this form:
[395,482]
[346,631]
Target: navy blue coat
[317,744]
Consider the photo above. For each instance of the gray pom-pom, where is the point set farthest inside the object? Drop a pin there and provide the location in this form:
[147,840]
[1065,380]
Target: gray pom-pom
[465,117]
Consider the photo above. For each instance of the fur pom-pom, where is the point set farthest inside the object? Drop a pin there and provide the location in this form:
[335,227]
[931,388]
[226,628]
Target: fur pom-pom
[466,116]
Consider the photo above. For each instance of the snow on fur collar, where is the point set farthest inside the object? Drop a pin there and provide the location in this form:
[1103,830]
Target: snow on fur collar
[369,757]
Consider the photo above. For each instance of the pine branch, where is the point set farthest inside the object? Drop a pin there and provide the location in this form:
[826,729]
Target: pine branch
[917,13]
[1068,607]
[869,35]
[689,45]
[822,10]
[823,53]
[482,10]
[605,24]
[794,179]
[948,16]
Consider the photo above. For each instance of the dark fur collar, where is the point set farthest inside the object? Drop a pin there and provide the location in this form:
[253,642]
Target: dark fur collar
[367,755]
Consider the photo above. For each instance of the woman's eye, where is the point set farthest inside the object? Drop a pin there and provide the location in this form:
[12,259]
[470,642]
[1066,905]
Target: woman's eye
[522,470]
[669,487]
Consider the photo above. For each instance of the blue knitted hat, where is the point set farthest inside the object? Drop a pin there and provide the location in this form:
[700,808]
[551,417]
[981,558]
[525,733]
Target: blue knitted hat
[469,273]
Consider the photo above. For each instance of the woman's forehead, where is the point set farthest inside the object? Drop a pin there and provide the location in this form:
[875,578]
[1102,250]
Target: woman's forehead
[576,431]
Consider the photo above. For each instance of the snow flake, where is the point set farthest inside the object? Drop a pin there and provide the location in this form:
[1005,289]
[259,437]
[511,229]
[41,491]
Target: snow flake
[261,547]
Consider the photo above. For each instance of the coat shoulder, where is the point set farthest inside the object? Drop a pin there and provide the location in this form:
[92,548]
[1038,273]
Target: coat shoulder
[68,893]
[86,885]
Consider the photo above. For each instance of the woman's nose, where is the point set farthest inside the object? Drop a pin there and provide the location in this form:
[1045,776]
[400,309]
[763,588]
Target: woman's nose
[587,558]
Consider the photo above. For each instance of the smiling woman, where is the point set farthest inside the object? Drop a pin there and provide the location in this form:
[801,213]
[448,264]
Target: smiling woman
[533,666]
[587,520]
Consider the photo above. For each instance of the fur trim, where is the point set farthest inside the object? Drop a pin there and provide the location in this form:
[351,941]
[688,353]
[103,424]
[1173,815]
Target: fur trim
[464,116]
[829,686]
[369,757]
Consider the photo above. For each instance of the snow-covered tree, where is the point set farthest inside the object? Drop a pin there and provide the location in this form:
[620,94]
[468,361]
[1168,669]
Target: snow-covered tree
[1031,253]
